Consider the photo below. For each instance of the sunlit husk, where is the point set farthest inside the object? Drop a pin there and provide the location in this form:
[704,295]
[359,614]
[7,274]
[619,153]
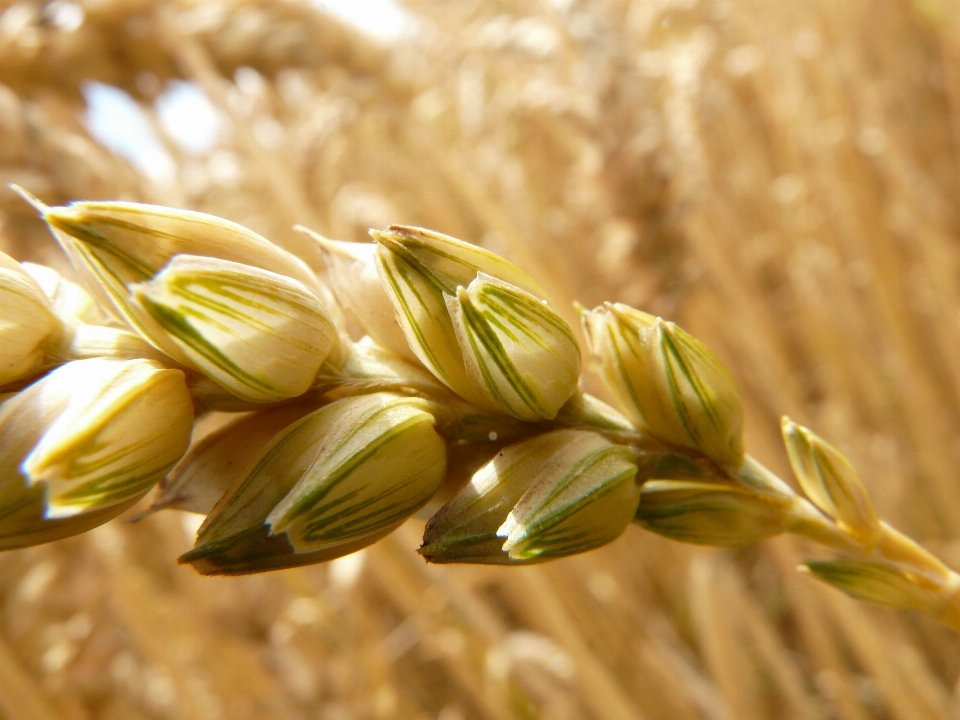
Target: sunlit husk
[556,494]
[582,502]
[417,268]
[422,314]
[134,241]
[666,381]
[81,445]
[330,483]
[120,425]
[517,350]
[28,323]
[115,244]
[381,461]
[260,335]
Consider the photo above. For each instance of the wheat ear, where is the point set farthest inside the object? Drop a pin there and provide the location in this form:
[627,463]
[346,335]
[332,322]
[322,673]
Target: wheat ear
[418,371]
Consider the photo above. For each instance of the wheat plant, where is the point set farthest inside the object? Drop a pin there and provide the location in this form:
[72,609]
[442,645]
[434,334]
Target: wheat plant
[459,389]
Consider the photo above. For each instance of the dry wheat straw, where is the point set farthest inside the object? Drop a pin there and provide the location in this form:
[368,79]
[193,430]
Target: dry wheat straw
[781,96]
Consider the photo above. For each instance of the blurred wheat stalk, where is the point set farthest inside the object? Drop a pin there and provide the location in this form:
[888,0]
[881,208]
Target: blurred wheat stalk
[780,178]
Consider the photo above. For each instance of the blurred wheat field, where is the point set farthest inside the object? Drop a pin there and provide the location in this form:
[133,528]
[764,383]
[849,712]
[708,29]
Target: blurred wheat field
[780,177]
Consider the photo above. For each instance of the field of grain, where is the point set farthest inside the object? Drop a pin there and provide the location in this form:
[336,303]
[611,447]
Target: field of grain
[780,177]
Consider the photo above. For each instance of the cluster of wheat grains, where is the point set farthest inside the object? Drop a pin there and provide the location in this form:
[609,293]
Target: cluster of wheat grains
[778,178]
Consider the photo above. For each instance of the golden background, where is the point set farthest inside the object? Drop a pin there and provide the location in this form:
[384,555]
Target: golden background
[780,177]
